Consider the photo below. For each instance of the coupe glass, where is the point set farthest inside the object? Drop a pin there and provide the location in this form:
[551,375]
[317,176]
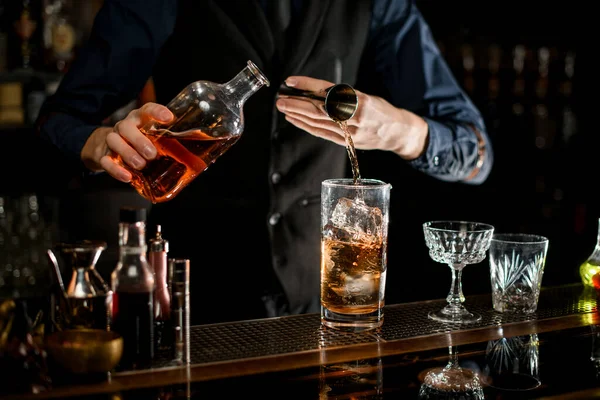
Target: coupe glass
[457,243]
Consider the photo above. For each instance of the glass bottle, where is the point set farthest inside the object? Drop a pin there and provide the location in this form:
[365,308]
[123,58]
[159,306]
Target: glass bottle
[25,27]
[60,35]
[590,269]
[208,120]
[133,291]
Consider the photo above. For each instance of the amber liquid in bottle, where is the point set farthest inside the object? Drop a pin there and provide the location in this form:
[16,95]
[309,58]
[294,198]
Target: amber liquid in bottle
[208,120]
[180,158]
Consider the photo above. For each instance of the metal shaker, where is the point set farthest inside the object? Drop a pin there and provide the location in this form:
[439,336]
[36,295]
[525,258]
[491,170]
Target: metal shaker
[157,257]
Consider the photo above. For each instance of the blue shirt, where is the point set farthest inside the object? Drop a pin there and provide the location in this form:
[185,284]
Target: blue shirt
[128,35]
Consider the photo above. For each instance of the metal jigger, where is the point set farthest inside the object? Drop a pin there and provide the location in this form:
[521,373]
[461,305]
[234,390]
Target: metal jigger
[339,101]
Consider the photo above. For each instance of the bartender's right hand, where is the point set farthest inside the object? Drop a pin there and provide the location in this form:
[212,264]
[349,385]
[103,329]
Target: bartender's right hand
[124,139]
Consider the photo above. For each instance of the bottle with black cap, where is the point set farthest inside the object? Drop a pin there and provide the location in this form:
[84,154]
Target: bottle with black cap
[133,286]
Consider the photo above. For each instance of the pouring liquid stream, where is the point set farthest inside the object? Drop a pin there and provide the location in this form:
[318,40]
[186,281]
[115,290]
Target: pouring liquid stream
[351,151]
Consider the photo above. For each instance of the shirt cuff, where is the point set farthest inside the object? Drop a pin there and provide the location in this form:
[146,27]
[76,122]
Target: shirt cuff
[438,134]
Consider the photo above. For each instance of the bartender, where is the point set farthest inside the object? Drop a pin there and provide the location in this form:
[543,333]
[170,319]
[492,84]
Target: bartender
[250,223]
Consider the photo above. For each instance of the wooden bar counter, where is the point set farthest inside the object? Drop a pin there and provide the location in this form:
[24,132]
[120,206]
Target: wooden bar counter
[295,358]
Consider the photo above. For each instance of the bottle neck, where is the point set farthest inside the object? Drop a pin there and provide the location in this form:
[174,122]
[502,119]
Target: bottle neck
[132,237]
[244,84]
[598,237]
[596,254]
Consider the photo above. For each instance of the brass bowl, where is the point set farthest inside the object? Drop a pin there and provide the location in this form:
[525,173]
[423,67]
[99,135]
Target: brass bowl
[83,351]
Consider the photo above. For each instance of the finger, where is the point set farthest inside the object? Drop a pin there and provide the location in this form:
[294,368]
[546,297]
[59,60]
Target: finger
[317,123]
[307,83]
[318,132]
[115,170]
[288,105]
[129,127]
[363,102]
[151,112]
[333,127]
[129,130]
[121,147]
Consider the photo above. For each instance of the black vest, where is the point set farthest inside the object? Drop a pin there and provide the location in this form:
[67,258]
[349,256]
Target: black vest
[266,188]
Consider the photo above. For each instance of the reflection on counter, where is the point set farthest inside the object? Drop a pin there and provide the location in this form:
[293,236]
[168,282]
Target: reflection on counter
[513,363]
[452,381]
[357,379]
[595,356]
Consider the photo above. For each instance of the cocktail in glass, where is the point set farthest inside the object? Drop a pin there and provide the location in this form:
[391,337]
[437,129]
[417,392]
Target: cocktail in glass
[354,231]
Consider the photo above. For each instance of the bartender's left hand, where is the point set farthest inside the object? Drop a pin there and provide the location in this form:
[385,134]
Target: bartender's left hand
[376,124]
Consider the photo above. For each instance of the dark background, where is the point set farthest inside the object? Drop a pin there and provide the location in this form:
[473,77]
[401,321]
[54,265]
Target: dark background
[542,181]
[544,162]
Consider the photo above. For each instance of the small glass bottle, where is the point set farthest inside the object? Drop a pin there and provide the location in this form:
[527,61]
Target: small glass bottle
[208,120]
[133,291]
[590,269]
